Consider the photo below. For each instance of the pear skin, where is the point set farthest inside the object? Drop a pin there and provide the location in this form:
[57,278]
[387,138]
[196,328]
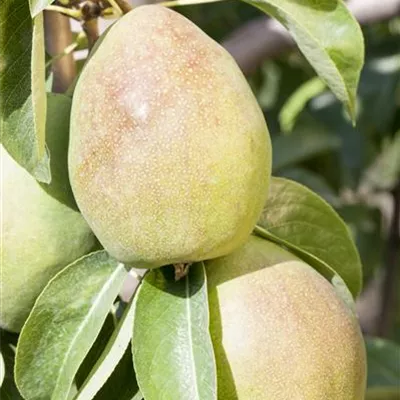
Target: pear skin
[40,236]
[170,155]
[279,329]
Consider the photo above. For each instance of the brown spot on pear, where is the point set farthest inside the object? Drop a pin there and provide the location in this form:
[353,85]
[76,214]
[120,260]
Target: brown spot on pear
[279,329]
[40,236]
[169,155]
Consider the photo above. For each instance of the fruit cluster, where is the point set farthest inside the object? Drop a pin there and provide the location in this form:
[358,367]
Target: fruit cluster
[170,162]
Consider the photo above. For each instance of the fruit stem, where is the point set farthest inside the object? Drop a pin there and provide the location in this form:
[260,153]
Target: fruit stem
[181,270]
[91,28]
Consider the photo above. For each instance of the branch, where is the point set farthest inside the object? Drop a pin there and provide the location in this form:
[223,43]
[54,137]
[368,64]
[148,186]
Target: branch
[265,38]
[58,37]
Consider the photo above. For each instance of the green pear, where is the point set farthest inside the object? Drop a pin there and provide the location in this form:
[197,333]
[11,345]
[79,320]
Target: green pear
[40,236]
[279,329]
[170,155]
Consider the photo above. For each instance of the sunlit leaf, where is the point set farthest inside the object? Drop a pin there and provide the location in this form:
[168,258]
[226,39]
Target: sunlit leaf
[64,323]
[328,36]
[109,359]
[57,137]
[171,345]
[22,87]
[299,219]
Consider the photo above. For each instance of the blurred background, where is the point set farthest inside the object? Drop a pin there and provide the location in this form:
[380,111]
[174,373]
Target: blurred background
[355,169]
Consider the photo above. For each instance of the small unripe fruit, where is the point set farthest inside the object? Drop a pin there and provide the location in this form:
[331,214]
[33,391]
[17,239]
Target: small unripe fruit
[40,236]
[279,329]
[169,154]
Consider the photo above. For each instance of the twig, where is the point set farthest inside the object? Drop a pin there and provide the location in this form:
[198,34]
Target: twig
[69,12]
[264,38]
[91,29]
[390,295]
[124,6]
[116,7]
[58,37]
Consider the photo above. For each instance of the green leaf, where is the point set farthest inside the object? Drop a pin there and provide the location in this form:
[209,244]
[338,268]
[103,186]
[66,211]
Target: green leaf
[49,82]
[383,363]
[22,88]
[308,140]
[109,359]
[297,102]
[64,323]
[343,292]
[172,350]
[37,6]
[57,139]
[269,90]
[328,36]
[299,219]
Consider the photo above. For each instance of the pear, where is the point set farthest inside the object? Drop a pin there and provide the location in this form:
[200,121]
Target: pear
[40,236]
[279,329]
[170,155]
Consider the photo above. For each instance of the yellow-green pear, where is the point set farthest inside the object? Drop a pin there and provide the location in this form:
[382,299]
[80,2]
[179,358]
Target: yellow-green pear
[280,331]
[169,155]
[40,236]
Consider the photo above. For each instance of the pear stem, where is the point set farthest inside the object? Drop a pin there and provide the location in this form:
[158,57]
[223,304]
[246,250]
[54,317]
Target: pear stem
[72,13]
[181,270]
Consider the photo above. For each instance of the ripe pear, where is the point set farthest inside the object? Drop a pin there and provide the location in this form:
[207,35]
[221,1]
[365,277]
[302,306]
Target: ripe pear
[279,329]
[40,236]
[170,155]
